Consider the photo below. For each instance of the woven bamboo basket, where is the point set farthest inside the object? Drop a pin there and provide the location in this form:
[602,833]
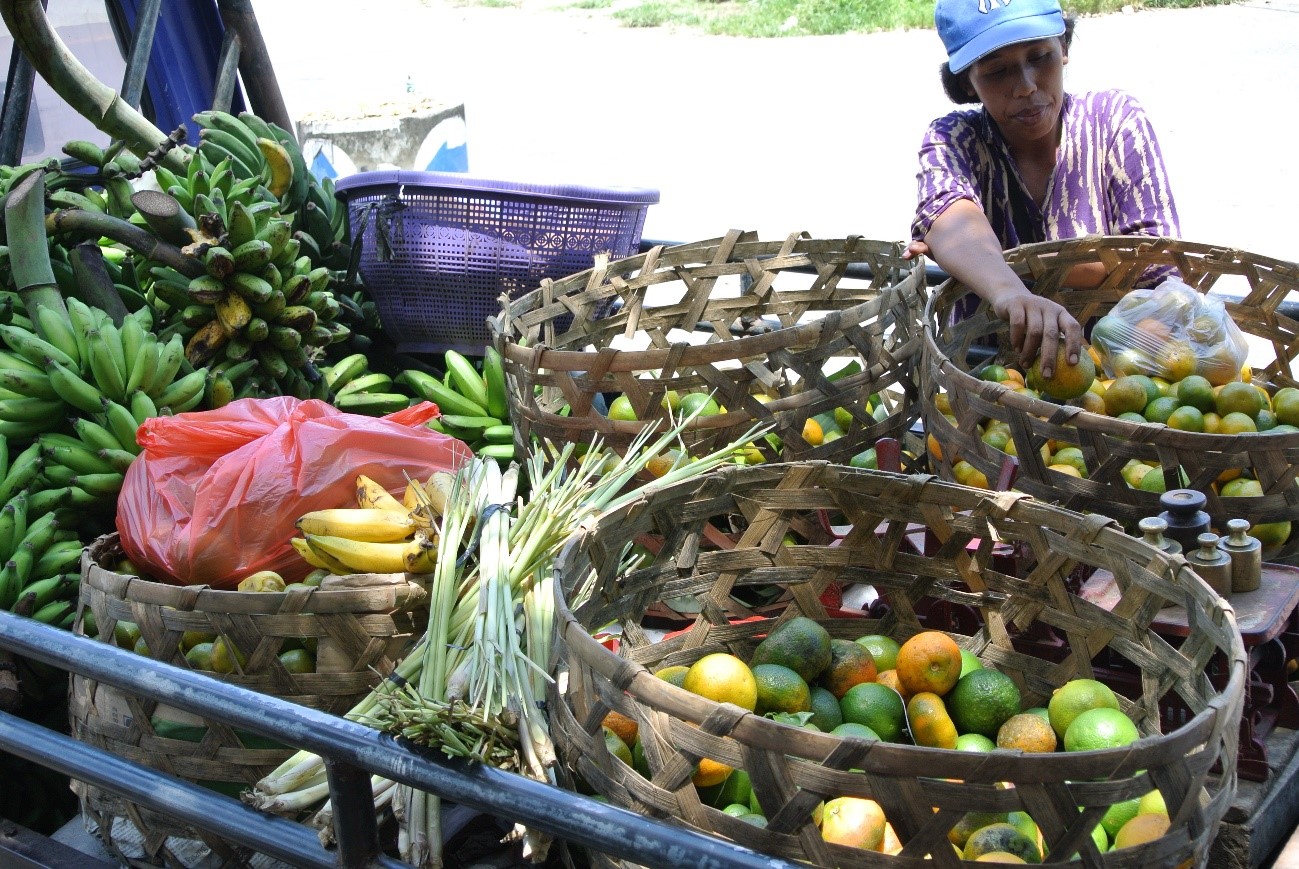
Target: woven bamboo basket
[361,626]
[924,792]
[756,324]
[1108,443]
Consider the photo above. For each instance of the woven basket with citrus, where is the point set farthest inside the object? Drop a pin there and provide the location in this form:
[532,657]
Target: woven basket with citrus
[1113,432]
[817,339]
[971,743]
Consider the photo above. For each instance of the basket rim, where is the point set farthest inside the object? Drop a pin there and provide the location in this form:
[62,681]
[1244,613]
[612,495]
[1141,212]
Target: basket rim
[894,758]
[453,183]
[614,360]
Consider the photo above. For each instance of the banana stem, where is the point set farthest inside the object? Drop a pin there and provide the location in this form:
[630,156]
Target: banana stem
[95,283]
[165,216]
[77,85]
[124,232]
[29,251]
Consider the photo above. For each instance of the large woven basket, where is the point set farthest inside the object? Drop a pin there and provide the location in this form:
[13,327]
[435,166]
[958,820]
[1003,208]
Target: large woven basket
[757,324]
[1108,443]
[361,626]
[924,791]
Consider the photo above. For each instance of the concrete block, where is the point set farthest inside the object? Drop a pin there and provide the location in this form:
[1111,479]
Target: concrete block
[417,134]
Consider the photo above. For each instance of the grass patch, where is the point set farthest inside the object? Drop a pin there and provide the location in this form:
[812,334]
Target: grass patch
[772,18]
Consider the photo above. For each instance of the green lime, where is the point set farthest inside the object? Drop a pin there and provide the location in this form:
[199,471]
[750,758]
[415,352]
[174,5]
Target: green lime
[620,408]
[737,809]
[877,706]
[974,742]
[982,701]
[780,689]
[1119,814]
[852,728]
[199,656]
[298,661]
[865,459]
[969,662]
[883,649]
[1100,728]
[701,402]
[125,634]
[826,714]
[1160,409]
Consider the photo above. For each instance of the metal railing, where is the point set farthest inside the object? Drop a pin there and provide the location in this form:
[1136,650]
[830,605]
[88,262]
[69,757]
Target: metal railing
[352,752]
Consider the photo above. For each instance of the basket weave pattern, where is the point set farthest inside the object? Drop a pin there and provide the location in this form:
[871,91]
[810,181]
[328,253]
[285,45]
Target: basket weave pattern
[775,313]
[362,625]
[1108,443]
[924,791]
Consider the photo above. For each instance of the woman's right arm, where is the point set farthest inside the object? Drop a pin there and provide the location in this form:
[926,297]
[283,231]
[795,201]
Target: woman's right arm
[962,242]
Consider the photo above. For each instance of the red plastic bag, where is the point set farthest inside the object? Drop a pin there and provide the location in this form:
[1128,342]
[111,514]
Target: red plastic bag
[215,494]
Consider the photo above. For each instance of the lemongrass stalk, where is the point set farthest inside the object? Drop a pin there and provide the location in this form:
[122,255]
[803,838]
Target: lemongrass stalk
[293,802]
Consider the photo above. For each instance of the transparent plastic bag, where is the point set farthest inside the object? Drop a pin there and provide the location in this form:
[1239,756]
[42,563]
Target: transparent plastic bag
[214,495]
[1170,331]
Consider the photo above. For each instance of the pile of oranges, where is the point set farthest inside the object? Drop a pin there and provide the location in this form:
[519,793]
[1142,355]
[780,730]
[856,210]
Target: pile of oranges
[926,691]
[1192,403]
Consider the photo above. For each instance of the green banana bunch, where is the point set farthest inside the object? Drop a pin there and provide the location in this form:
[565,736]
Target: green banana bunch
[350,385]
[39,562]
[474,404]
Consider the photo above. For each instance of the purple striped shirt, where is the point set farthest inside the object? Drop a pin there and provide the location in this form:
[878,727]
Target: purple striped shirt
[1109,177]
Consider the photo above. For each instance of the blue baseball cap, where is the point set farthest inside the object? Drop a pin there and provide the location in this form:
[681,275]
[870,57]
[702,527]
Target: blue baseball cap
[972,28]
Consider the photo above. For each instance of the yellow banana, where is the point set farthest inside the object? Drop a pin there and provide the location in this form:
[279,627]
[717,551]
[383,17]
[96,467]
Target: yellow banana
[422,553]
[411,498]
[363,556]
[233,312]
[365,524]
[318,560]
[371,494]
[280,163]
[438,489]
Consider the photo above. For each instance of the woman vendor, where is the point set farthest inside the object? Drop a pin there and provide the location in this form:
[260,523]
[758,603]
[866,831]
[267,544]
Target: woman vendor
[1032,163]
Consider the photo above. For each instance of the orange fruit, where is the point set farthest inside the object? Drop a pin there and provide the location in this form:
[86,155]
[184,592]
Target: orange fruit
[994,373]
[675,674]
[1075,697]
[1197,391]
[800,644]
[1140,830]
[971,822]
[1236,423]
[709,772]
[968,475]
[929,661]
[1154,328]
[1152,803]
[1239,397]
[723,678]
[1119,814]
[1186,418]
[780,689]
[850,664]
[931,726]
[1001,837]
[1177,360]
[982,701]
[877,706]
[1026,731]
[853,821]
[813,433]
[942,403]
[1066,381]
[1091,401]
[1068,470]
[1285,404]
[625,727]
[1160,409]
[1127,394]
[998,857]
[889,678]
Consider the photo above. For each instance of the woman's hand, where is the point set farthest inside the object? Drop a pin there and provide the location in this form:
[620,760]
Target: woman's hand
[1036,325]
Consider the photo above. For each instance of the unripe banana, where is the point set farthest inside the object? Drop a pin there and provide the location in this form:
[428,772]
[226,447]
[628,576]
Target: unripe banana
[250,287]
[252,256]
[87,152]
[206,290]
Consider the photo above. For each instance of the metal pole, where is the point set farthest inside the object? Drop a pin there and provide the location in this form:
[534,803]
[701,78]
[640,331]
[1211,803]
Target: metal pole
[258,72]
[598,825]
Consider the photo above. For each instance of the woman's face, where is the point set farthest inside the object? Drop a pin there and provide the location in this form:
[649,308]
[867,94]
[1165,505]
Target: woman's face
[1022,87]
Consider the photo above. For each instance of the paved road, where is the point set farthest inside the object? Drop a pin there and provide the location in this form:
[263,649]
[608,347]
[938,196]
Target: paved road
[809,133]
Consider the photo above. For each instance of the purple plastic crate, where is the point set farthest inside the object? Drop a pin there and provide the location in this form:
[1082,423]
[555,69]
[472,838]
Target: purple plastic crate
[439,248]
